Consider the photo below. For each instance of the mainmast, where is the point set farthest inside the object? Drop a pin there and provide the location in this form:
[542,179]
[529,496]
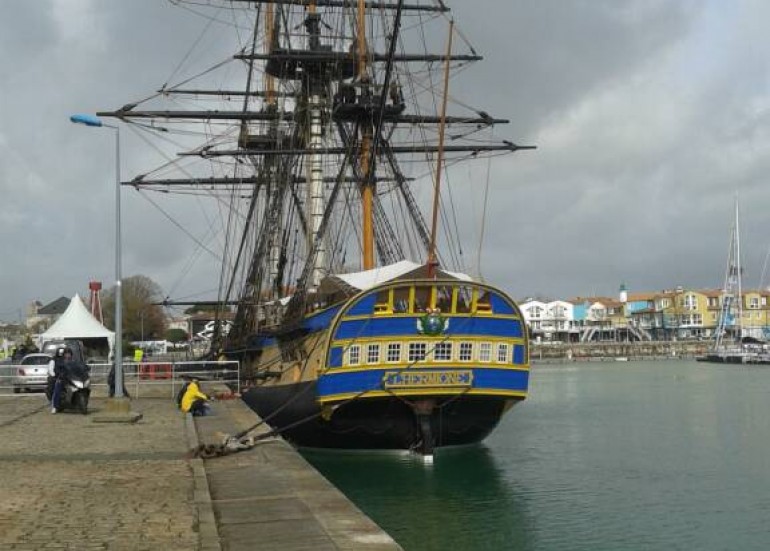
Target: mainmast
[367,130]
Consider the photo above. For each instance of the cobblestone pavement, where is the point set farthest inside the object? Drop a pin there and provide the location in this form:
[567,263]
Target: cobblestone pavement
[69,483]
[14,408]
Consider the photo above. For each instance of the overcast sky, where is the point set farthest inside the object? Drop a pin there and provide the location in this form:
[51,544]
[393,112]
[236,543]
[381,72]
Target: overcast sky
[649,116]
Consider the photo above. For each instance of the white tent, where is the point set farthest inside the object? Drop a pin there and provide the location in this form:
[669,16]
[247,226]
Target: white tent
[77,323]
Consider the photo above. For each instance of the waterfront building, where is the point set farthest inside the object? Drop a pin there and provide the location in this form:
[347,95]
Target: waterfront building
[40,318]
[180,322]
[713,307]
[551,320]
[675,314]
[642,315]
[694,313]
[595,316]
[755,314]
[562,320]
[682,313]
[615,313]
[534,311]
[671,314]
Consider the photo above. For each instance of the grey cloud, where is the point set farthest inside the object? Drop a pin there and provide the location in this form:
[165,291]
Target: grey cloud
[648,116]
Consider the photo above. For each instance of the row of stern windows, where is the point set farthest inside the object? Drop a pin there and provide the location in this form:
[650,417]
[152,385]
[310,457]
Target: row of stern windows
[415,352]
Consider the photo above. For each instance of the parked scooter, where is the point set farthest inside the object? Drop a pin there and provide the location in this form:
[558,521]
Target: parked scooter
[75,387]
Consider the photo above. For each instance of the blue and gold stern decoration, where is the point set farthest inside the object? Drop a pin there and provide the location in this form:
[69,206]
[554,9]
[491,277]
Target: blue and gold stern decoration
[426,338]
[432,323]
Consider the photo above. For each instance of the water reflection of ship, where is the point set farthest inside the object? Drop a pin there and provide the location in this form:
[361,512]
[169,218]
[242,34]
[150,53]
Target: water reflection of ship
[463,501]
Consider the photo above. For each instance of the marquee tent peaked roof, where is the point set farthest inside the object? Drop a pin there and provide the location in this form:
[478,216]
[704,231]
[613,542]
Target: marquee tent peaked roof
[77,323]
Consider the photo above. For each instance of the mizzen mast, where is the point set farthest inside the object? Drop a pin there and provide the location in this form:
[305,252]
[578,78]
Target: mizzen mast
[432,257]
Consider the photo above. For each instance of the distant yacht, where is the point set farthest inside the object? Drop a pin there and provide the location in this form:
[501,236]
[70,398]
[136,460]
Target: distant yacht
[729,342]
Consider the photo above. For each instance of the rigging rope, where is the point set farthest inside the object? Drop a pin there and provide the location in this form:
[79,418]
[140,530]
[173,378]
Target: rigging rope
[483,220]
[178,225]
[190,51]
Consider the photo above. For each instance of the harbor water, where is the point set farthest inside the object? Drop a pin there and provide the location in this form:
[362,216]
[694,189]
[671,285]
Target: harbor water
[610,455]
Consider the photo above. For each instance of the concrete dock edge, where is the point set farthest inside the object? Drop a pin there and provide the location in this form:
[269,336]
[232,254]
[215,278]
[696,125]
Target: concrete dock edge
[207,524]
[271,498]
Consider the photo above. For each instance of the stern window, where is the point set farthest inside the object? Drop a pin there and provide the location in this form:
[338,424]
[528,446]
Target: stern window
[444,299]
[421,299]
[464,300]
[485,352]
[373,353]
[354,355]
[466,351]
[442,352]
[382,304]
[502,353]
[417,351]
[394,352]
[401,300]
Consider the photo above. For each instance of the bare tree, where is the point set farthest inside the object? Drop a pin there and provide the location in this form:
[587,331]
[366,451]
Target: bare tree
[143,319]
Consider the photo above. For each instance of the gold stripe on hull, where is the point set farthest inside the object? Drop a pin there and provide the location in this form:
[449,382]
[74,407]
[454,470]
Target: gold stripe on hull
[423,392]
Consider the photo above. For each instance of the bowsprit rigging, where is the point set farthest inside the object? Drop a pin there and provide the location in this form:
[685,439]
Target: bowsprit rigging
[353,331]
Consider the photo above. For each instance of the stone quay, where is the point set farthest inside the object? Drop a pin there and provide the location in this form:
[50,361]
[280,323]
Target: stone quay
[70,483]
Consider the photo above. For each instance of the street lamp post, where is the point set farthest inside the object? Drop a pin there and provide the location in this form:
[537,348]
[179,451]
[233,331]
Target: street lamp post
[90,120]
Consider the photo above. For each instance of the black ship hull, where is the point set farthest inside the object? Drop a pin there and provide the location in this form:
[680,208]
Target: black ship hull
[386,423]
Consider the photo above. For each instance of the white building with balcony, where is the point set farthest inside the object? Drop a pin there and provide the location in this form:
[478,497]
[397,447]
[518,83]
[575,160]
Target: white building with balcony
[549,320]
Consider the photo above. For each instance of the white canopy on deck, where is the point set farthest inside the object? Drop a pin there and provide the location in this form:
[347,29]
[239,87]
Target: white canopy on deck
[371,278]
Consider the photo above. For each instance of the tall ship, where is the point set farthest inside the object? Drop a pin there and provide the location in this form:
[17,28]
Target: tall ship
[325,143]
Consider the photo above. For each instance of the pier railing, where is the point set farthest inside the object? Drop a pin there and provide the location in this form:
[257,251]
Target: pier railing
[149,379]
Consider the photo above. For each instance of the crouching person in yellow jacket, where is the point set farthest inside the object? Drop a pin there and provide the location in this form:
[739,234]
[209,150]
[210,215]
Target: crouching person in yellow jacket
[194,400]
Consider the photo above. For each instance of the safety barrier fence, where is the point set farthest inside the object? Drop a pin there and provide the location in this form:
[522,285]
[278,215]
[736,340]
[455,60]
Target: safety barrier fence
[140,379]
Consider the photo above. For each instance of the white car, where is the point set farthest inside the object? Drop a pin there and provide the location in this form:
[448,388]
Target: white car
[31,373]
